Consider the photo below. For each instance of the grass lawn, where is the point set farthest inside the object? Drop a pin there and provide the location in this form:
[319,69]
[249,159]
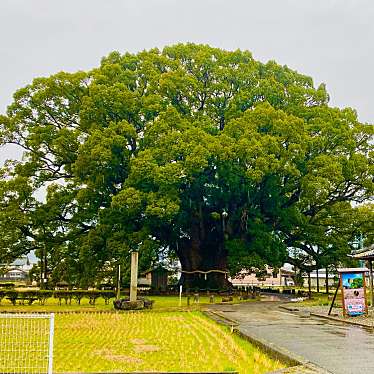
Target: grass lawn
[321,299]
[149,341]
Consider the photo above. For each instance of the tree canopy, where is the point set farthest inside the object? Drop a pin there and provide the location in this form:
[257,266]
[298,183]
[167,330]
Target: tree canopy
[194,152]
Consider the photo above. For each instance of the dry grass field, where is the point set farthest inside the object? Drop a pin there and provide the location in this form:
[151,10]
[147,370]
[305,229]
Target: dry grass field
[168,338]
[151,341]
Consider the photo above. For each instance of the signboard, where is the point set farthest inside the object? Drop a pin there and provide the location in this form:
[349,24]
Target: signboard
[353,289]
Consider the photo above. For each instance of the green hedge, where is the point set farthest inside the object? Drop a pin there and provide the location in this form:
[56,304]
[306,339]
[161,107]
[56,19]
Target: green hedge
[2,294]
[7,285]
[29,296]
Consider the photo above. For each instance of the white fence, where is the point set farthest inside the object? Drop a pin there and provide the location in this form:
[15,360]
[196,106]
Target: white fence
[26,343]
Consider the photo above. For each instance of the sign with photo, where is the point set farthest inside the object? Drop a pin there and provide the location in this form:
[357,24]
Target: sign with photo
[353,292]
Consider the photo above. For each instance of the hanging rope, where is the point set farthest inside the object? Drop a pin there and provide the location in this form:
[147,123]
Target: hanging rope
[206,272]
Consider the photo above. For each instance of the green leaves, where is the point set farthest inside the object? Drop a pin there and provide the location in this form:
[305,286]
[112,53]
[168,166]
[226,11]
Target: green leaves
[154,147]
[129,200]
[161,207]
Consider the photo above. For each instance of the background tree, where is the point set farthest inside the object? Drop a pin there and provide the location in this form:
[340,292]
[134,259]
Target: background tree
[206,154]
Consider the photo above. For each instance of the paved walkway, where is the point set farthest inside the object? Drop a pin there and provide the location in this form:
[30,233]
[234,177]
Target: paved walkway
[334,346]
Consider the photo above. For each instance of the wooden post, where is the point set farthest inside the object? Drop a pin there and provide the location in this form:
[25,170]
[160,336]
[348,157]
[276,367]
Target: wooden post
[371,283]
[327,280]
[342,291]
[366,299]
[333,299]
[134,276]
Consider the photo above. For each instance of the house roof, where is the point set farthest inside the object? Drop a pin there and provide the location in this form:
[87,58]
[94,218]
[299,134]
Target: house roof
[320,275]
[365,254]
[156,268]
[352,270]
[20,261]
[16,271]
[286,272]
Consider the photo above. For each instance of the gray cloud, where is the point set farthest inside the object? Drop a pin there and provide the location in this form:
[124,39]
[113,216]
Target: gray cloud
[330,40]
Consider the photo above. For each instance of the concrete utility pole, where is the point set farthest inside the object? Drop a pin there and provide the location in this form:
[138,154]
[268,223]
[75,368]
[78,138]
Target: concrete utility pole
[134,276]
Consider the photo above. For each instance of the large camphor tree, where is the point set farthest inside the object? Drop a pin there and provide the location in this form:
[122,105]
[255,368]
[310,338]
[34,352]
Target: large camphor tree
[206,155]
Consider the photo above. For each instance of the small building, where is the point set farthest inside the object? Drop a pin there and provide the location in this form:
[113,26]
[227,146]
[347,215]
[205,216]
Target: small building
[145,279]
[18,270]
[332,278]
[22,263]
[156,278]
[14,274]
[62,285]
[270,277]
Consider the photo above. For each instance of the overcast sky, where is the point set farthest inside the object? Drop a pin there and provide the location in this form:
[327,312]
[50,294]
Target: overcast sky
[330,40]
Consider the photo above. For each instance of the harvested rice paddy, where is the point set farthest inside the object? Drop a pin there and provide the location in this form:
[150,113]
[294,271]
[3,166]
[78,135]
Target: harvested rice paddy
[152,341]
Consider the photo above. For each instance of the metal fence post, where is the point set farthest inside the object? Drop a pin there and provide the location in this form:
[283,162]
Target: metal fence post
[51,336]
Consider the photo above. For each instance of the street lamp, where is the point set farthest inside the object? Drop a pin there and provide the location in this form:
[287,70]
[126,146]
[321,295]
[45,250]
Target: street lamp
[358,245]
[224,216]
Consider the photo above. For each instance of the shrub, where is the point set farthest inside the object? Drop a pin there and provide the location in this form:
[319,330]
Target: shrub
[29,296]
[7,285]
[63,295]
[2,295]
[12,296]
[107,295]
[78,295]
[43,295]
[93,296]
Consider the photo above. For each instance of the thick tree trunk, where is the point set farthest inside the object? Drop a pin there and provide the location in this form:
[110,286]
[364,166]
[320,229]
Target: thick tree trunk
[199,269]
[202,255]
[200,261]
